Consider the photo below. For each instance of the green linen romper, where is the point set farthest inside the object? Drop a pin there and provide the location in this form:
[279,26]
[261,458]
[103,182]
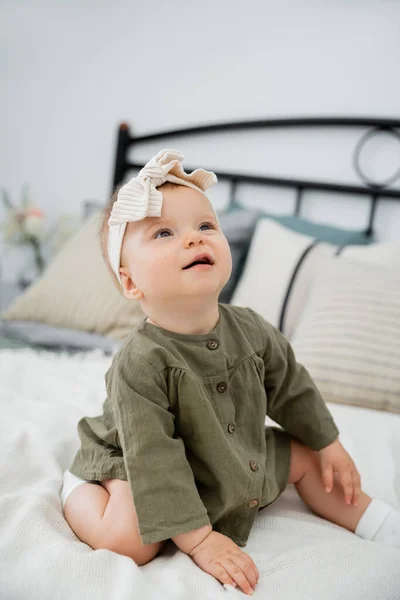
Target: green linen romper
[184,423]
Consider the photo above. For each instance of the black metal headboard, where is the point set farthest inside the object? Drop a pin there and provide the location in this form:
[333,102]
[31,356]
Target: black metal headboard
[371,189]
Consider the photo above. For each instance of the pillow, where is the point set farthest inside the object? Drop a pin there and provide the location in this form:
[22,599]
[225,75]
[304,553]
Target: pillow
[280,264]
[76,291]
[325,233]
[238,227]
[349,335]
[41,335]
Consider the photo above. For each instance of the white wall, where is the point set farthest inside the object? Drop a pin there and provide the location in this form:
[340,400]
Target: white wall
[70,72]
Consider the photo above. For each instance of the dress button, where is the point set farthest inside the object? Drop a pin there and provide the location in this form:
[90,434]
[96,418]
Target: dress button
[231,427]
[253,503]
[221,387]
[212,344]
[253,465]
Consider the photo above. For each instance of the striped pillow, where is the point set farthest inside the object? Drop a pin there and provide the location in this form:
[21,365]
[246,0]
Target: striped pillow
[281,263]
[348,337]
[276,278]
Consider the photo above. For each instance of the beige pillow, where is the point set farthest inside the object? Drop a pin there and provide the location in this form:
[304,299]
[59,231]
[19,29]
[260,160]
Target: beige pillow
[349,335]
[77,291]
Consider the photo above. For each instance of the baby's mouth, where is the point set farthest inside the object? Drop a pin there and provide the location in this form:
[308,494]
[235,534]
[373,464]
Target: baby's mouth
[203,260]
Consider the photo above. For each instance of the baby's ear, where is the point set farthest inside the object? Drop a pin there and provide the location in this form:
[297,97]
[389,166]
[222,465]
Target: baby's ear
[130,290]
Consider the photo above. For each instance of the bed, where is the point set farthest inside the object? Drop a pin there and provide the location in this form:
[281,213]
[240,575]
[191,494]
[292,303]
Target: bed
[53,374]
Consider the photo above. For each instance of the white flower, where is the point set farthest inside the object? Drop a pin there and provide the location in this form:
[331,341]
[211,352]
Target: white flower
[33,225]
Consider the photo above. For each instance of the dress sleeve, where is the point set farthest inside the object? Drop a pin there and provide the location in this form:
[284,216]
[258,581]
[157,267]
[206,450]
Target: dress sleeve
[293,400]
[164,492]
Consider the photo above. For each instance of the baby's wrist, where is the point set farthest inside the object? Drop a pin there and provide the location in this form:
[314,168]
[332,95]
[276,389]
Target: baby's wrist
[187,542]
[195,548]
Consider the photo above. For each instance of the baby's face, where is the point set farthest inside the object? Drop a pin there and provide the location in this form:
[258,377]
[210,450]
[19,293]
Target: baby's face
[156,251]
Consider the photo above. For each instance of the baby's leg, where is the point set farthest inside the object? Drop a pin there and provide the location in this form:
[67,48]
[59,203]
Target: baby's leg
[305,473]
[104,516]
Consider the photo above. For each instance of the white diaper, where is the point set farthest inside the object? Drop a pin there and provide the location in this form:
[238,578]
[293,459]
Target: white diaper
[70,482]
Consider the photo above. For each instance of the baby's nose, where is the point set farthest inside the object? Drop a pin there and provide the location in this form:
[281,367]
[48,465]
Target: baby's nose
[195,237]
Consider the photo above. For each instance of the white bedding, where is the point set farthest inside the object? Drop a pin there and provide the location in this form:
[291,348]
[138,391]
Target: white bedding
[299,556]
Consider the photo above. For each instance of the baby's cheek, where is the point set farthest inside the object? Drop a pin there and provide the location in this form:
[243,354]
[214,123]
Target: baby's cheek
[160,273]
[226,258]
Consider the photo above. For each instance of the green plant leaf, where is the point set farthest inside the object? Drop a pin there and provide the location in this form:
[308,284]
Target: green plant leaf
[6,199]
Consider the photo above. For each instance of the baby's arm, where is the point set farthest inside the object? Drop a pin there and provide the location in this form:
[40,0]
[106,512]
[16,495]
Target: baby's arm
[164,492]
[293,399]
[166,499]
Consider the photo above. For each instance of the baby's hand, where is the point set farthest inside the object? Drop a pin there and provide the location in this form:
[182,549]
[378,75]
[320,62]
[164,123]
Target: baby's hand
[335,459]
[219,556]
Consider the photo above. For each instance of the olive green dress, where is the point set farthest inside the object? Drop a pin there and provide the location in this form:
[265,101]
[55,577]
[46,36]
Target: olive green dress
[184,424]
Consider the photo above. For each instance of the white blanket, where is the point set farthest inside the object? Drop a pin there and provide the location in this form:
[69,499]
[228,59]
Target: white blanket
[299,555]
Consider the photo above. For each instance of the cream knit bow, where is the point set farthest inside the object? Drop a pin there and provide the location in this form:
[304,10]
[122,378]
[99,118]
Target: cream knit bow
[139,198]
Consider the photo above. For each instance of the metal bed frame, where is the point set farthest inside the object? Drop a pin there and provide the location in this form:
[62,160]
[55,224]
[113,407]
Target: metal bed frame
[371,189]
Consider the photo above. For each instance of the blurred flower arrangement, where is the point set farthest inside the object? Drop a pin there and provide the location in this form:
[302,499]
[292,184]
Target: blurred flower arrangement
[24,225]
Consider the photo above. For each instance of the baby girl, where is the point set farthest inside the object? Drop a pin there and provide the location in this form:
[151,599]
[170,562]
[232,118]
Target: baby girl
[181,450]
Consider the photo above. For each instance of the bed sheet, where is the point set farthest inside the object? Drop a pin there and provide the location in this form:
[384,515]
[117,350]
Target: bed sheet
[299,555]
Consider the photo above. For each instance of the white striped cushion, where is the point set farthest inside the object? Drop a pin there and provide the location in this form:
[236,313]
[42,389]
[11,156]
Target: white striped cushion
[281,263]
[348,337]
[274,255]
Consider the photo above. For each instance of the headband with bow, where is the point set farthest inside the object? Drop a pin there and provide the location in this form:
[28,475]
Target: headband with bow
[139,198]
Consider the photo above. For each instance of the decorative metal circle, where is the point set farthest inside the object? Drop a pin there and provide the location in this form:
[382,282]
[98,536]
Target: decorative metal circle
[356,157]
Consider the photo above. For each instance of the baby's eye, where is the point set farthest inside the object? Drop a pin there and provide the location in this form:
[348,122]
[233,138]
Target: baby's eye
[162,231]
[209,225]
